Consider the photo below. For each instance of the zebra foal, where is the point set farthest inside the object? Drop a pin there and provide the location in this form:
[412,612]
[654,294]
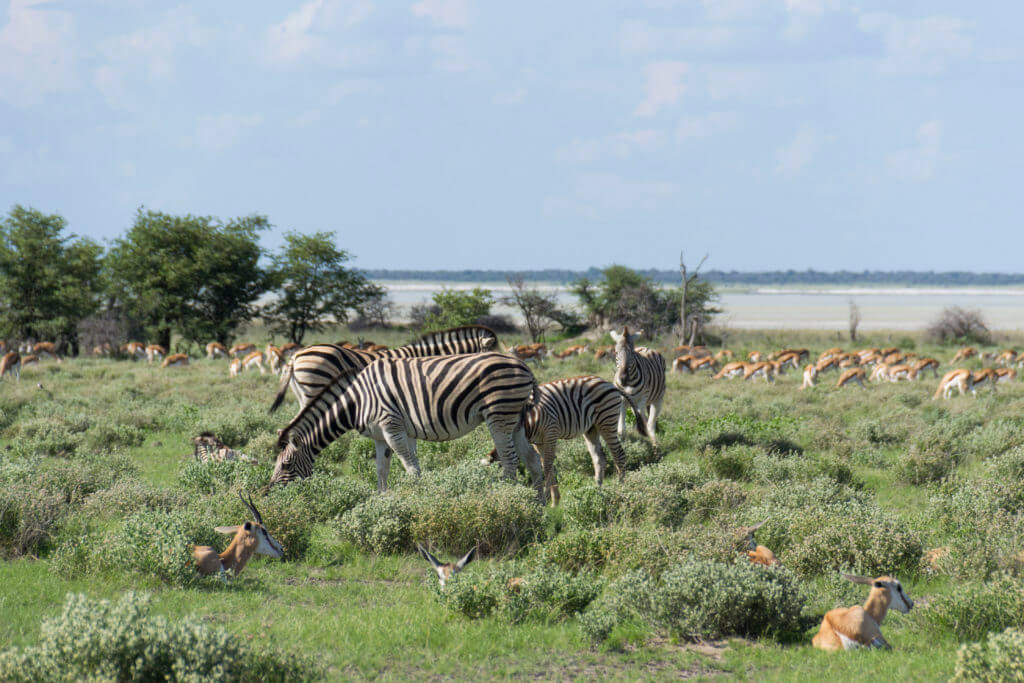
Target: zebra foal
[640,375]
[396,401]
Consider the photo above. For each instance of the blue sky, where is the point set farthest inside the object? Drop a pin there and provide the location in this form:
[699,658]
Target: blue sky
[458,134]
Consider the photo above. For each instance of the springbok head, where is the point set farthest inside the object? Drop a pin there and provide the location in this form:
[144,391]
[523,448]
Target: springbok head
[747,534]
[887,589]
[253,535]
[445,571]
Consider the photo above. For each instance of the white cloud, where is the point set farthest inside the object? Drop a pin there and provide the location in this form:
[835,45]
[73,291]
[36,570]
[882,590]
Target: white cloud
[918,46]
[705,126]
[450,52]
[804,14]
[641,37]
[215,133]
[664,84]
[513,96]
[342,89]
[148,53]
[618,146]
[918,163]
[723,82]
[444,13]
[37,53]
[314,34]
[597,195]
[792,157]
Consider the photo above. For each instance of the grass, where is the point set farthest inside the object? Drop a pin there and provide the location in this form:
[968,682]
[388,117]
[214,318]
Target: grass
[370,616]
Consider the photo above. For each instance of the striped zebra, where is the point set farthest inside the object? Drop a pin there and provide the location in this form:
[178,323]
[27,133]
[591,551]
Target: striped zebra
[640,375]
[311,369]
[586,406]
[208,448]
[396,401]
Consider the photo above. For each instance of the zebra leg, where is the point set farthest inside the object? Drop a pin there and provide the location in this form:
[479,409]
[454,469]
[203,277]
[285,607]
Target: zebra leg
[614,445]
[621,428]
[404,448]
[547,459]
[529,457]
[596,454]
[383,464]
[652,420]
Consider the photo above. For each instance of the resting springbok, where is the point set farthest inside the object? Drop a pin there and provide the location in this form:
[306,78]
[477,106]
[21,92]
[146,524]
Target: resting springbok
[964,353]
[11,365]
[176,360]
[847,628]
[250,538]
[954,379]
[525,352]
[810,377]
[604,353]
[447,570]
[216,350]
[241,350]
[850,376]
[155,352]
[758,554]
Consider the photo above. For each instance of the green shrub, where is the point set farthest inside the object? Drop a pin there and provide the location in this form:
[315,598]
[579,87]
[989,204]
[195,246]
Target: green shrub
[130,495]
[617,549]
[380,524]
[714,497]
[221,477]
[656,494]
[28,519]
[105,436]
[100,640]
[866,541]
[586,507]
[1000,658]
[975,609]
[731,462]
[918,466]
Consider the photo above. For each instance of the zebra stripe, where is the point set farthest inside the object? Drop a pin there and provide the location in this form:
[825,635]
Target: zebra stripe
[640,375]
[208,448]
[310,370]
[396,401]
[586,406]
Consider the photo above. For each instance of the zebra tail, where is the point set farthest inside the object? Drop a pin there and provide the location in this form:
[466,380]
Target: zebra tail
[641,426]
[282,389]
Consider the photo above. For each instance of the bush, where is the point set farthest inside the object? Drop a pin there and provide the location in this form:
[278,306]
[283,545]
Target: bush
[919,467]
[975,609]
[616,550]
[956,325]
[380,524]
[1000,658]
[701,599]
[28,519]
[656,494]
[97,639]
[222,477]
[130,495]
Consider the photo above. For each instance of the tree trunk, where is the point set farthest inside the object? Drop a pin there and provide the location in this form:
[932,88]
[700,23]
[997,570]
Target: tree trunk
[682,306]
[164,338]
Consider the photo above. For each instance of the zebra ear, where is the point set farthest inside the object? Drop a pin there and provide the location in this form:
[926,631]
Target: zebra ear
[615,335]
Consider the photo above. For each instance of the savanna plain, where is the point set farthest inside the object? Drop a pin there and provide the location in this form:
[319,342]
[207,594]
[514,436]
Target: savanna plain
[644,578]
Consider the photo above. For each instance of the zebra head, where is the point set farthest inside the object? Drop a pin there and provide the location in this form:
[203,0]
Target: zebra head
[623,349]
[293,462]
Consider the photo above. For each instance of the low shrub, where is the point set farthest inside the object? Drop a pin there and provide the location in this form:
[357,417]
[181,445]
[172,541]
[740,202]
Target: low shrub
[129,495]
[220,477]
[381,524]
[617,549]
[918,466]
[28,519]
[98,639]
[975,609]
[999,658]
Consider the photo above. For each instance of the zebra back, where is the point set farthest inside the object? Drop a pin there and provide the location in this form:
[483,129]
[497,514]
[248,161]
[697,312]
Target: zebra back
[452,342]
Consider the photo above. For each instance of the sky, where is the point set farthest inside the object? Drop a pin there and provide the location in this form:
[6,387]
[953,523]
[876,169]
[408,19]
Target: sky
[453,134]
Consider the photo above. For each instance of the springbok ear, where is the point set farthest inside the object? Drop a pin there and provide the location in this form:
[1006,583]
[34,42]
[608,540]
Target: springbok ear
[867,580]
[466,559]
[758,526]
[227,529]
[427,556]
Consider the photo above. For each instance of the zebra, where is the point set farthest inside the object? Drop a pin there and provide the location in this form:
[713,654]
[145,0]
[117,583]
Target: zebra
[208,448]
[585,406]
[395,401]
[639,374]
[310,369]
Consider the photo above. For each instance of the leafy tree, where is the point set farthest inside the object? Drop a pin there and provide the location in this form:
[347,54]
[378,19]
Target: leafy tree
[539,309]
[190,274]
[455,307]
[312,287]
[50,280]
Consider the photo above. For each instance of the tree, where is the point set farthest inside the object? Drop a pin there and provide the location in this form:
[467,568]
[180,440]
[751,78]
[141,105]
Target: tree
[312,287]
[960,326]
[190,274]
[539,309]
[854,320]
[51,281]
[684,314]
[455,307]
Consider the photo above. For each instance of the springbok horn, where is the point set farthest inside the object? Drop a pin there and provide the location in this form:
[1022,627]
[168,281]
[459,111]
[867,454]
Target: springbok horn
[255,512]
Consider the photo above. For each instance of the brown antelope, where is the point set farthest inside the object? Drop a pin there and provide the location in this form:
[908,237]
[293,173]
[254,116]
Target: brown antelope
[681,350]
[954,379]
[216,350]
[449,569]
[682,364]
[10,364]
[176,360]
[758,554]
[1007,357]
[1005,375]
[760,369]
[136,350]
[983,376]
[810,376]
[830,363]
[30,359]
[235,367]
[933,557]
[604,353]
[850,376]
[275,359]
[700,351]
[155,352]
[847,360]
[373,348]
[250,538]
[847,628]
[755,357]
[254,360]
[829,353]
[241,350]
[893,358]
[923,364]
[964,353]
[288,348]
[706,363]
[46,350]
[891,349]
[790,358]
[730,370]
[524,352]
[102,350]
[725,354]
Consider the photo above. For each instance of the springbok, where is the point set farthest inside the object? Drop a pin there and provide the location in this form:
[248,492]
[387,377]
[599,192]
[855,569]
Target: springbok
[241,350]
[216,350]
[11,365]
[758,554]
[830,363]
[810,377]
[155,352]
[760,369]
[965,353]
[30,359]
[730,370]
[46,350]
[829,353]
[176,360]
[288,348]
[925,364]
[682,364]
[525,352]
[254,360]
[982,377]
[706,363]
[274,357]
[1005,375]
[250,538]
[604,353]
[725,354]
[954,379]
[755,357]
[847,628]
[235,367]
[447,570]
[850,376]
[136,350]
[1007,357]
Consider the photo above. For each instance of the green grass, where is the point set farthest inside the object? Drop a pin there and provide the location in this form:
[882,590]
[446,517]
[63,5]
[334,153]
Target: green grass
[377,617]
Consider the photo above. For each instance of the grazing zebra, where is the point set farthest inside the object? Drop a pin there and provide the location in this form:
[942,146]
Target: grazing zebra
[395,401]
[309,370]
[208,448]
[586,406]
[640,375]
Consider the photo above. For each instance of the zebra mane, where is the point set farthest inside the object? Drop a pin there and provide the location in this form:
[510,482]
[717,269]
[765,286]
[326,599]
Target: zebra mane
[477,328]
[335,388]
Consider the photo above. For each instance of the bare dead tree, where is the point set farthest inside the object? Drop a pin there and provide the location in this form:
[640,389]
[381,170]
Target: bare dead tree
[854,320]
[687,280]
[538,309]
